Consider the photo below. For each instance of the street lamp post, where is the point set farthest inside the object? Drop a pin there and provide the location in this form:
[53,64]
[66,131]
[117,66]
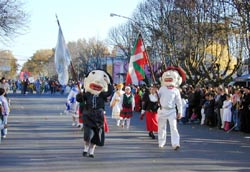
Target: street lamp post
[117,15]
[137,25]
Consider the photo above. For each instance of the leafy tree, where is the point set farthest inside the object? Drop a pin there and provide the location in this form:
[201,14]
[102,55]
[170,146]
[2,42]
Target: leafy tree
[9,65]
[38,64]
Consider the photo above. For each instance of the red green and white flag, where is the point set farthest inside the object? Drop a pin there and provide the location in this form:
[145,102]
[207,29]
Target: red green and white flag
[137,62]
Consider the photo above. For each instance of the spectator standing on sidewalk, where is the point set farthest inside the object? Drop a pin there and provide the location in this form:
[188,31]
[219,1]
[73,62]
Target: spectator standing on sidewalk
[5,111]
[227,112]
[219,99]
[245,115]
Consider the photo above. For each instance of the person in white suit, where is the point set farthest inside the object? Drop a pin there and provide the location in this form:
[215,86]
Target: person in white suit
[170,105]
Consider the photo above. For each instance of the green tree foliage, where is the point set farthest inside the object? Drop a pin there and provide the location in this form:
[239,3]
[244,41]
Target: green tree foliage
[38,64]
[8,65]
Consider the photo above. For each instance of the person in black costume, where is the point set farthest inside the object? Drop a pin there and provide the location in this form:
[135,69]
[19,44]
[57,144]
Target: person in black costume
[245,113]
[97,88]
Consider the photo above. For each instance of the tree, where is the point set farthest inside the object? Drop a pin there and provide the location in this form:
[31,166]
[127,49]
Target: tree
[243,9]
[122,39]
[38,65]
[86,54]
[201,36]
[9,65]
[13,19]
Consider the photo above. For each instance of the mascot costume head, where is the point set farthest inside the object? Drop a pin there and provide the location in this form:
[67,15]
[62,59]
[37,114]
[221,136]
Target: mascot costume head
[97,81]
[173,76]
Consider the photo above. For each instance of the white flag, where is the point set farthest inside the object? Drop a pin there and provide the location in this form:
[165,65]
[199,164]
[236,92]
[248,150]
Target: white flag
[62,58]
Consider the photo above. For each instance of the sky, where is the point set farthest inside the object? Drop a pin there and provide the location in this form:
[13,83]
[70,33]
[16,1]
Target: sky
[79,19]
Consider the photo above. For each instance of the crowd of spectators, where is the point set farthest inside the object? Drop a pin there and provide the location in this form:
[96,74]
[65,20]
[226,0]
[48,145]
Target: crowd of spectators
[224,107]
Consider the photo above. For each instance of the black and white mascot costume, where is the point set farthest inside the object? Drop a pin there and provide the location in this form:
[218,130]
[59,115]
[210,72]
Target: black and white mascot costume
[170,105]
[97,88]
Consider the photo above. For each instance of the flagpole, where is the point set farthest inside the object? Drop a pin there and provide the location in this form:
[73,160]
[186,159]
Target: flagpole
[148,60]
[74,75]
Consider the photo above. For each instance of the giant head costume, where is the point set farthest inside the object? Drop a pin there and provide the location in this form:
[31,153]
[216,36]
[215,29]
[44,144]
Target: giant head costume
[97,81]
[173,76]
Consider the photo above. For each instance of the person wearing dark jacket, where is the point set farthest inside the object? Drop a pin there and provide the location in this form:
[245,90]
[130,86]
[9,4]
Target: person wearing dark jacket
[97,88]
[149,108]
[245,115]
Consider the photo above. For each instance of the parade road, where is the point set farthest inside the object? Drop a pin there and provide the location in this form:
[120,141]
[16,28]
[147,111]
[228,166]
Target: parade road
[41,139]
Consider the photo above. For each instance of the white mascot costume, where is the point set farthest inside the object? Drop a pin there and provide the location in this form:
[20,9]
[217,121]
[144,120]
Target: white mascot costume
[170,100]
[97,88]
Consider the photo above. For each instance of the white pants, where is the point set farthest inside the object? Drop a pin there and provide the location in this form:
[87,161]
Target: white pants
[127,122]
[163,117]
[203,116]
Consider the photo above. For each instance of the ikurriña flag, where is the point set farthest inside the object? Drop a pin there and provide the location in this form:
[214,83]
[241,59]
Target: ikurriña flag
[138,60]
[62,58]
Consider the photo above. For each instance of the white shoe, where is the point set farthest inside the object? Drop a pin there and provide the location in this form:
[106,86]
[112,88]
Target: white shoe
[74,124]
[4,136]
[161,146]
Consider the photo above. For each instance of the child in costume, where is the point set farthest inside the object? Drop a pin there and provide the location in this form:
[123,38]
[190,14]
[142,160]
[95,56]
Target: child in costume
[127,105]
[72,105]
[114,103]
[170,100]
[97,88]
[149,108]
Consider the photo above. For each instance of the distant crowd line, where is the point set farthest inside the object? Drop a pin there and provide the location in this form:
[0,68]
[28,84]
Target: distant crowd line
[38,86]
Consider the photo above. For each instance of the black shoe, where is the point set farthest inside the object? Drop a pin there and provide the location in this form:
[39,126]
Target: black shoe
[153,136]
[150,134]
[176,148]
[91,155]
[84,153]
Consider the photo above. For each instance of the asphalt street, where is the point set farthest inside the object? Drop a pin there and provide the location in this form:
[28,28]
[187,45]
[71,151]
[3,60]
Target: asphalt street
[41,139]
